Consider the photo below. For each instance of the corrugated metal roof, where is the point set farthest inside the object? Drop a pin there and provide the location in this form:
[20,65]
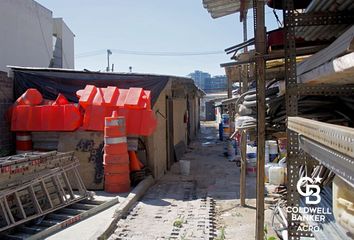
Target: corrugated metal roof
[325,32]
[221,8]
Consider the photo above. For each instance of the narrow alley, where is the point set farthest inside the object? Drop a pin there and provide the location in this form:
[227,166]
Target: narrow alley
[203,205]
[172,120]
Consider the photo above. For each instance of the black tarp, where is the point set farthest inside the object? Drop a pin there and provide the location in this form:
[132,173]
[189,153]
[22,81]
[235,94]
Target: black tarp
[52,82]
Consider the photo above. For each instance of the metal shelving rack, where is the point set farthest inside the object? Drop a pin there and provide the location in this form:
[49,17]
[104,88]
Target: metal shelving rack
[296,157]
[330,144]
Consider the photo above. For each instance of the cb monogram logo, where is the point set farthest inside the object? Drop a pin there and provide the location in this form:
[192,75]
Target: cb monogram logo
[311,190]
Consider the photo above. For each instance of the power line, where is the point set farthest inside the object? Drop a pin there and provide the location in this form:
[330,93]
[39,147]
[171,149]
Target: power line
[147,53]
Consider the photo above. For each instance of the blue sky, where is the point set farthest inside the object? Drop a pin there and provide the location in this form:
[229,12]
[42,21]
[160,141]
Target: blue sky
[150,26]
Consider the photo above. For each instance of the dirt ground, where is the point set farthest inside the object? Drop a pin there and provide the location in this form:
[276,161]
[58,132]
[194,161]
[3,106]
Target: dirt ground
[203,205]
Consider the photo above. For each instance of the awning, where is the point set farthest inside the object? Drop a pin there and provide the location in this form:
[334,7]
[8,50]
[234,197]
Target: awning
[221,8]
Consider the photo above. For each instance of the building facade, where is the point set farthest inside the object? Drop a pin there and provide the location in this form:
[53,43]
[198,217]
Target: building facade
[26,36]
[215,84]
[199,78]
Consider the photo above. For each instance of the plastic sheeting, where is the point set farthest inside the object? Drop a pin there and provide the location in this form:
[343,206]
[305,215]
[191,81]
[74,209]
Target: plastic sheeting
[52,82]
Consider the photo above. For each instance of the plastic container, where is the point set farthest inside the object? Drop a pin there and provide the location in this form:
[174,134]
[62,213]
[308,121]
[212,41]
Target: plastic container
[251,152]
[266,170]
[185,167]
[251,168]
[231,150]
[343,202]
[273,149]
[276,175]
[225,118]
[221,132]
[266,156]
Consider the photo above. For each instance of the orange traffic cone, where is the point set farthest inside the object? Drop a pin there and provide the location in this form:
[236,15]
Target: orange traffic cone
[134,162]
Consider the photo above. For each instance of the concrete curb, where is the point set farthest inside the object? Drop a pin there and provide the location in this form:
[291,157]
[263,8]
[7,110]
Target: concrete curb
[124,207]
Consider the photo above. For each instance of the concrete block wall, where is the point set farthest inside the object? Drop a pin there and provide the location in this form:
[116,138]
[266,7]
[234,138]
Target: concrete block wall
[6,100]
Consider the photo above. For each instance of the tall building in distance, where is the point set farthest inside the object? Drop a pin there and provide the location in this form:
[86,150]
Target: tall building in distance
[208,83]
[199,78]
[215,84]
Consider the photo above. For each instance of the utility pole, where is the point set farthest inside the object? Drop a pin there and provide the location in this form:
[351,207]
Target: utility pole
[130,68]
[109,52]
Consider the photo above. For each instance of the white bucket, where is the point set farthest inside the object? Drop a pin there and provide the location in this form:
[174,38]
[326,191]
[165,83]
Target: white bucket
[230,151]
[266,158]
[273,146]
[273,149]
[266,170]
[185,167]
[276,175]
[251,152]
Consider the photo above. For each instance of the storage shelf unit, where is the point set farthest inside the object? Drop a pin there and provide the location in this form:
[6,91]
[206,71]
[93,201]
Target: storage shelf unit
[328,144]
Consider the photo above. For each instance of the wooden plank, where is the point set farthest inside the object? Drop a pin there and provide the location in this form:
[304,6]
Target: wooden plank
[260,48]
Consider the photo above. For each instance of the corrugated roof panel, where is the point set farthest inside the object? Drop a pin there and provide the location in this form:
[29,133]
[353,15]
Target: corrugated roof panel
[220,8]
[325,32]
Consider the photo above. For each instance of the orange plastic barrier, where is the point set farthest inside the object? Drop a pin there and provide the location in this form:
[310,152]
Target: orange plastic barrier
[23,142]
[133,104]
[28,115]
[116,158]
[45,118]
[61,100]
[31,97]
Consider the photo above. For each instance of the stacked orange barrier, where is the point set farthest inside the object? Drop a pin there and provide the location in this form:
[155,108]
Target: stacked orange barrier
[116,158]
[31,97]
[59,115]
[94,105]
[133,104]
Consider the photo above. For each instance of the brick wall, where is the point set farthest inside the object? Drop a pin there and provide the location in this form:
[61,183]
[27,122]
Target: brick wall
[6,99]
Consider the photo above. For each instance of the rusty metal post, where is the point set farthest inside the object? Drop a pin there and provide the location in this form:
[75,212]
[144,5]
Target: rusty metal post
[260,48]
[243,168]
